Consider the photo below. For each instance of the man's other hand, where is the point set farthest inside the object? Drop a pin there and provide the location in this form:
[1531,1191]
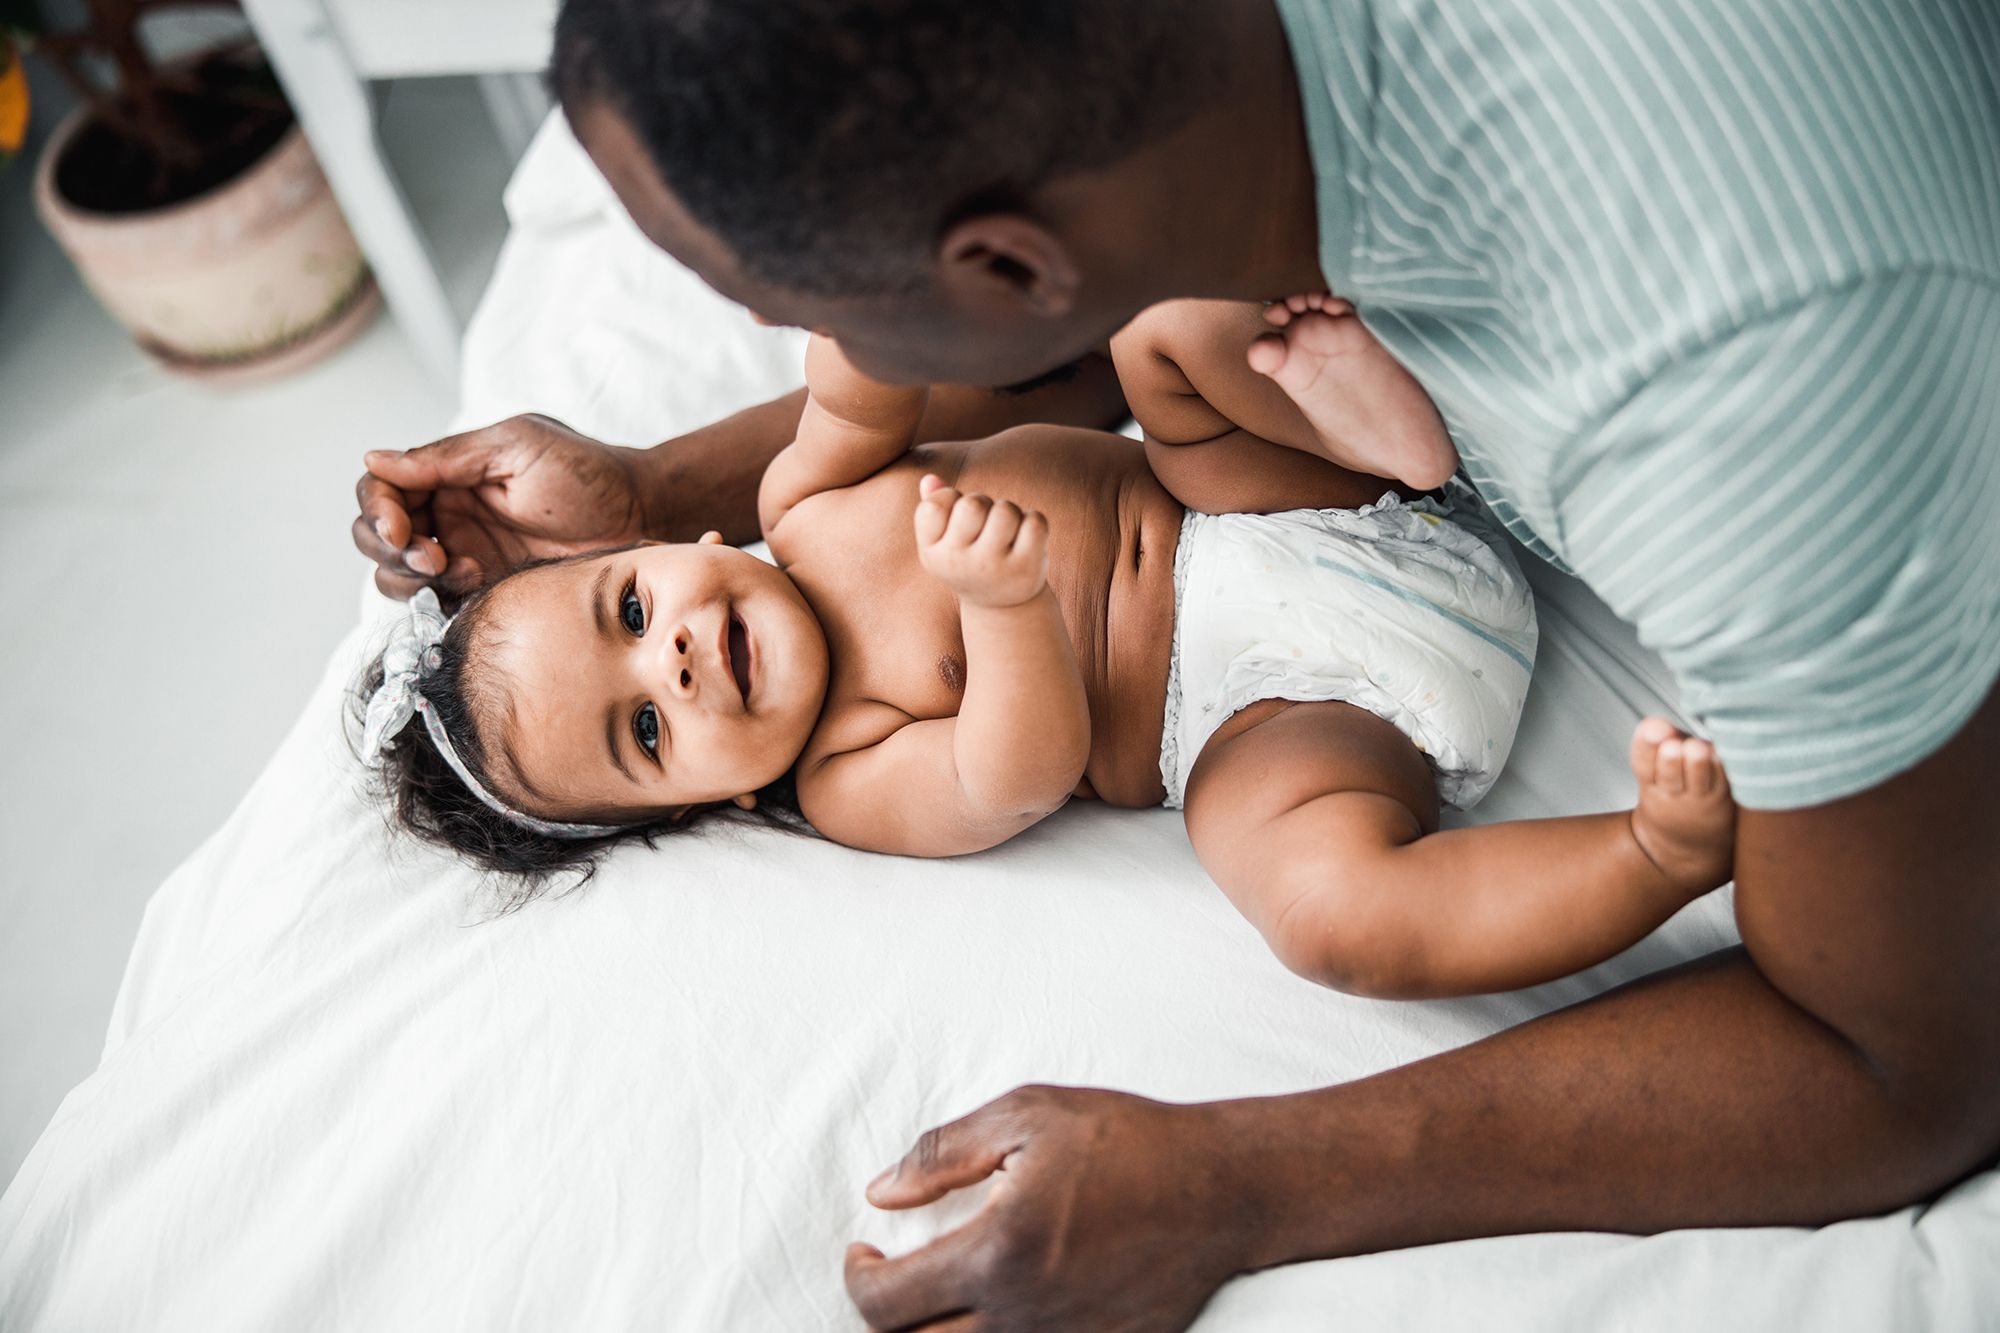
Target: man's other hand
[1102,1216]
[468,508]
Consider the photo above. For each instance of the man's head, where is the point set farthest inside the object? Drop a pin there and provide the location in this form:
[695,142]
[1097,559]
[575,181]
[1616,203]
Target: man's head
[903,174]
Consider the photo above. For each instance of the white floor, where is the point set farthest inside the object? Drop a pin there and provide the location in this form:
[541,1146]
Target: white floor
[174,566]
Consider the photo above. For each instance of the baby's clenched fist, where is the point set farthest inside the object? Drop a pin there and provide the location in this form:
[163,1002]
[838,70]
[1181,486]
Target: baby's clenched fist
[987,551]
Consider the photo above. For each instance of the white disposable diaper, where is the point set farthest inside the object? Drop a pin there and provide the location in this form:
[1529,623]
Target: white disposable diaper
[1415,612]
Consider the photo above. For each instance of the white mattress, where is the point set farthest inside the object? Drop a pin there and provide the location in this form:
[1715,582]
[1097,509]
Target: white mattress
[334,1097]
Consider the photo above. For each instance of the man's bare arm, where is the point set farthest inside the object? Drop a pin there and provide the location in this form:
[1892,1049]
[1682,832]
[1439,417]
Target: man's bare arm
[1845,1061]
[463,510]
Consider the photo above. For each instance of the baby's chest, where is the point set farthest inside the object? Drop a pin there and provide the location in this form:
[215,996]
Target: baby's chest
[892,631]
[900,647]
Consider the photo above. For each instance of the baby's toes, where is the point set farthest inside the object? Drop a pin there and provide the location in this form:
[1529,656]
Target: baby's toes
[1646,738]
[1325,334]
[1699,762]
[1671,776]
[1268,353]
[1718,774]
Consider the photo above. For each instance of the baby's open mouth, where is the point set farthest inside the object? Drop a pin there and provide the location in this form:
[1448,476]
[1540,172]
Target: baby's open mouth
[739,654]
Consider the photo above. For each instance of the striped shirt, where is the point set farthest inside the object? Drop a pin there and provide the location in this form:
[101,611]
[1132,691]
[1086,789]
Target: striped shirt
[1709,294]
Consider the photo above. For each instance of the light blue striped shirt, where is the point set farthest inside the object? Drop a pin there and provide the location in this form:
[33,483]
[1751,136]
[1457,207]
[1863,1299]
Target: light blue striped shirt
[1709,293]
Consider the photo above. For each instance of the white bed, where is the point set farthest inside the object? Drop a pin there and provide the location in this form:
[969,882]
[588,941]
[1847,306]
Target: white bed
[334,1096]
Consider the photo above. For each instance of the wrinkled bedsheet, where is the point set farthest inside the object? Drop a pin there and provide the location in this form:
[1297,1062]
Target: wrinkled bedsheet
[339,1093]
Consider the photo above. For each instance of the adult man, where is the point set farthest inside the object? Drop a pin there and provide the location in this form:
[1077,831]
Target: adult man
[1710,296]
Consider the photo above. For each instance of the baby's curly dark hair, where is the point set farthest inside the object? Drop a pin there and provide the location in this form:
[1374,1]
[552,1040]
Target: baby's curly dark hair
[428,800]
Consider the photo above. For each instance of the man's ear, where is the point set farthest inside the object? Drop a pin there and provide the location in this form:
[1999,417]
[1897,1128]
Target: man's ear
[1007,261]
[709,538]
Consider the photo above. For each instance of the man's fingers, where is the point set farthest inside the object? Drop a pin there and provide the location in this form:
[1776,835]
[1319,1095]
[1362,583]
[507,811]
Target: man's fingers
[458,460]
[969,1322]
[425,557]
[463,575]
[459,573]
[928,1284]
[946,1158]
[388,510]
[402,587]
[422,560]
[368,541]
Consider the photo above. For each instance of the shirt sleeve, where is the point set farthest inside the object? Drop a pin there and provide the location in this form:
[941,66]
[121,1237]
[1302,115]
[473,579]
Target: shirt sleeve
[1804,521]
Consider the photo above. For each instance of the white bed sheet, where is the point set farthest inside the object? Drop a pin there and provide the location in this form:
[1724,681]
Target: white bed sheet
[334,1096]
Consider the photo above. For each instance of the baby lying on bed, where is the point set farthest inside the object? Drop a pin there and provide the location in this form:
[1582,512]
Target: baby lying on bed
[1222,619]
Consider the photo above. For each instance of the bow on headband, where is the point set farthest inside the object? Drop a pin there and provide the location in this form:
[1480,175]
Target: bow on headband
[411,653]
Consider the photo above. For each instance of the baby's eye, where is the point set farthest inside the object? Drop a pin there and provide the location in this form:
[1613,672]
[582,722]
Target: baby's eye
[646,729]
[631,613]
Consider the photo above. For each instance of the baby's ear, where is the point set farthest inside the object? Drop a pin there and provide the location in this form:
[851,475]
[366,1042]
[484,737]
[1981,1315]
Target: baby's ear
[709,538]
[747,801]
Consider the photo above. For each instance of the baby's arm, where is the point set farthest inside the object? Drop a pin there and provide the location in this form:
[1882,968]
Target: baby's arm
[1018,746]
[852,428]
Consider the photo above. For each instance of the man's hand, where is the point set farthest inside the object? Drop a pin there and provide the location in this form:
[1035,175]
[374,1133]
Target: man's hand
[470,507]
[1101,1218]
[987,551]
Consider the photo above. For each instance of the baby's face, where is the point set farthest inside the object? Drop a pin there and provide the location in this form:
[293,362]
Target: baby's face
[649,680]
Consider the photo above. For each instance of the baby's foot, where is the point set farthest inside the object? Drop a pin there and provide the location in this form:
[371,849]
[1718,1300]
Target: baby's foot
[1370,413]
[1685,821]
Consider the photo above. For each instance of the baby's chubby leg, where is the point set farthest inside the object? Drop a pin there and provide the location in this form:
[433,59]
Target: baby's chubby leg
[1221,438]
[1370,412]
[1186,367]
[1320,823]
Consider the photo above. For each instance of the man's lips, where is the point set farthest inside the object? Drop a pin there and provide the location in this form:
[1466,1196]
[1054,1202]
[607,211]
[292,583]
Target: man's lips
[738,654]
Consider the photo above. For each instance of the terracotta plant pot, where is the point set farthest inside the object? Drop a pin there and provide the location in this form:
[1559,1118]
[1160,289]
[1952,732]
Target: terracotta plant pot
[254,278]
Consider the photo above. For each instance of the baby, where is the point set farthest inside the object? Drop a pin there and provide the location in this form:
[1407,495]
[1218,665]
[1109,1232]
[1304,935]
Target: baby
[1223,618]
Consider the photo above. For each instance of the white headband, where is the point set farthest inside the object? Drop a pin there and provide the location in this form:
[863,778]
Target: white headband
[412,650]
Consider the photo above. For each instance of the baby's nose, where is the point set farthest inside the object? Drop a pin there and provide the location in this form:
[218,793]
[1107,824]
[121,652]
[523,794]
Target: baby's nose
[677,662]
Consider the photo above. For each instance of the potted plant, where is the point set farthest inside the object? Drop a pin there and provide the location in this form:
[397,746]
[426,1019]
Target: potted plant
[15,18]
[187,196]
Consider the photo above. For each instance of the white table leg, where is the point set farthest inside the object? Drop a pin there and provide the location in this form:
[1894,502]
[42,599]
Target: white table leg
[334,109]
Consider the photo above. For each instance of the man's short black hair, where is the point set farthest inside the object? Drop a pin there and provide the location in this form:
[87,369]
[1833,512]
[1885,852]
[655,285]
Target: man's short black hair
[829,142]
